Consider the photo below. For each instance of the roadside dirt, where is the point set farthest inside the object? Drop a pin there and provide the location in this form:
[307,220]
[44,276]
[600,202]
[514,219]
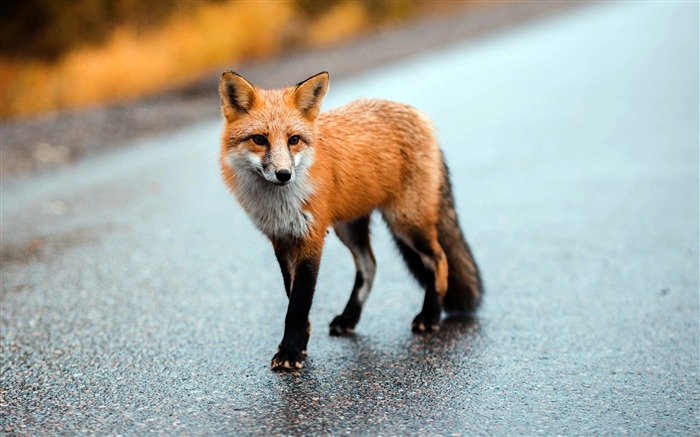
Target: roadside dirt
[38,144]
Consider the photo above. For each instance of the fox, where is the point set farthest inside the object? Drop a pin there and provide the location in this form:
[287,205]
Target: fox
[297,172]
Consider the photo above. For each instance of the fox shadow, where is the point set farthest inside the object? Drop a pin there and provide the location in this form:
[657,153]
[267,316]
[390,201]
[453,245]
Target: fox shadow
[373,377]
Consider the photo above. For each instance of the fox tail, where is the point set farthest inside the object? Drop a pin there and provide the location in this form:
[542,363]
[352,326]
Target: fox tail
[464,287]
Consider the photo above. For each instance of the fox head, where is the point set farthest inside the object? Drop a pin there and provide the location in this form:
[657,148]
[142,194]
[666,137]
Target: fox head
[270,132]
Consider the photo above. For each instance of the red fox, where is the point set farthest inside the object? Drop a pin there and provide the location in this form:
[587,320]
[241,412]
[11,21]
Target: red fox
[297,172]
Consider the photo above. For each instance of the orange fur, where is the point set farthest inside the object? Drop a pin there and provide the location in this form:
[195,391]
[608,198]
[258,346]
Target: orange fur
[297,171]
[369,154]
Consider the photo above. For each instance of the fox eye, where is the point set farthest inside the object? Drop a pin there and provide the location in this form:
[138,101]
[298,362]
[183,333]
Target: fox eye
[293,140]
[260,140]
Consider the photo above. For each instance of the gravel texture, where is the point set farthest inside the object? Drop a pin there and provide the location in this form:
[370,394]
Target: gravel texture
[137,297]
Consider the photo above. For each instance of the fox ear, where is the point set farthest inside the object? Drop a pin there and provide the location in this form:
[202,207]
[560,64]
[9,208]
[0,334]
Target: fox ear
[309,93]
[237,95]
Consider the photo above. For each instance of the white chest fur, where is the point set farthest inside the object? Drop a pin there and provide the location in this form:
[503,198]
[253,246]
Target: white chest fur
[277,210]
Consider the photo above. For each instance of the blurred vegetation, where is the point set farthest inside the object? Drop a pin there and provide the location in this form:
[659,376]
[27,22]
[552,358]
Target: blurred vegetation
[58,54]
[46,29]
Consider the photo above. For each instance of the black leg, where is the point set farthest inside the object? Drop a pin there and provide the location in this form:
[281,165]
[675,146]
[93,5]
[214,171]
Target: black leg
[285,262]
[290,354]
[355,235]
[429,317]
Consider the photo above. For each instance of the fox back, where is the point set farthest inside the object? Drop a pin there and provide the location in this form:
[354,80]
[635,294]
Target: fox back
[368,154]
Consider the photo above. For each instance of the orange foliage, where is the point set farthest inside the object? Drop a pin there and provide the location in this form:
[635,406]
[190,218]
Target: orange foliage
[130,65]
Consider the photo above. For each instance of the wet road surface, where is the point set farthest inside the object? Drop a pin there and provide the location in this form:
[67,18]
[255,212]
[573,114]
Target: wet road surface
[136,296]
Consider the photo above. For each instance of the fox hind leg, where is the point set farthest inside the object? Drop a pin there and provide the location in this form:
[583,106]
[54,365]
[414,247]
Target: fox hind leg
[427,263]
[355,235]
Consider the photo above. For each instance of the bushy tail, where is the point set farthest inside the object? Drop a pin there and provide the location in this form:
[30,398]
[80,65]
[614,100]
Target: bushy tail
[464,287]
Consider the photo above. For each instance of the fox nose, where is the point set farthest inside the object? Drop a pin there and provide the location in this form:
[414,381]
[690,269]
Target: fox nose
[283,175]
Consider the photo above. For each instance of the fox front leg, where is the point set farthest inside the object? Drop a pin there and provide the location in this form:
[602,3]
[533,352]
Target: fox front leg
[292,349]
[286,262]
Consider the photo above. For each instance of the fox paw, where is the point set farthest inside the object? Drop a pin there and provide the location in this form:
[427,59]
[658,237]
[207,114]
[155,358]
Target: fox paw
[342,325]
[423,323]
[287,360]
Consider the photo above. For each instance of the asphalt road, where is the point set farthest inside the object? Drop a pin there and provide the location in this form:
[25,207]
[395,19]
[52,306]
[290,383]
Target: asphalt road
[136,296]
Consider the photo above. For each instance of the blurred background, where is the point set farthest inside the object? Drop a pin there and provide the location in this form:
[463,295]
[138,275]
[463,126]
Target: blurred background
[80,76]
[60,54]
